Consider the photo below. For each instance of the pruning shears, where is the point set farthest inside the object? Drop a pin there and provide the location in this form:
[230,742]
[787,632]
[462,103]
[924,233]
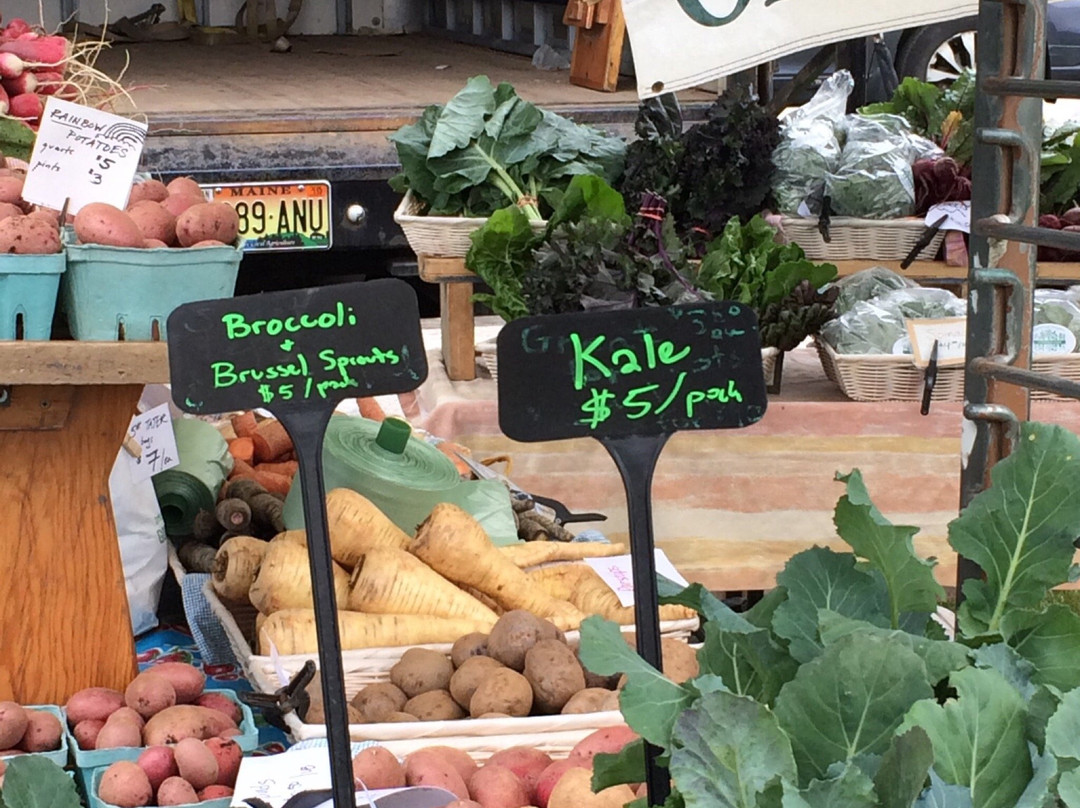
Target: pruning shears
[558,512]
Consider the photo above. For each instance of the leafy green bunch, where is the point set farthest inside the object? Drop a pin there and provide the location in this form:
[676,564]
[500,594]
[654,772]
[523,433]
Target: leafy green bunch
[32,781]
[487,148]
[840,690]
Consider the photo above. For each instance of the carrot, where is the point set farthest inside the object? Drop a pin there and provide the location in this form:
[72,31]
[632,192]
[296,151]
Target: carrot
[242,449]
[235,565]
[27,106]
[233,514]
[284,579]
[292,631]
[534,553]
[267,511]
[241,470]
[205,527]
[451,450]
[357,526]
[274,483]
[286,467]
[42,50]
[271,441]
[244,424]
[25,82]
[242,488]
[369,408]
[196,556]
[454,544]
[391,581]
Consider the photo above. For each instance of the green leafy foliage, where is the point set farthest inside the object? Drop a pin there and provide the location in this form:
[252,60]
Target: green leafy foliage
[628,766]
[1062,738]
[1021,529]
[36,782]
[1050,641]
[16,139]
[751,663]
[848,787]
[904,766]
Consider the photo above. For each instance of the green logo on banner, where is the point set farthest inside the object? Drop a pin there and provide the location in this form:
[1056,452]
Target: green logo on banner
[701,15]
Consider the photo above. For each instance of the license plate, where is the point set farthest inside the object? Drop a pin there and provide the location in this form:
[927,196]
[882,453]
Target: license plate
[279,215]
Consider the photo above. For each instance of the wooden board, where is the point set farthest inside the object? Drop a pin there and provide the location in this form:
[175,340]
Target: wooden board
[72,362]
[63,606]
[597,53]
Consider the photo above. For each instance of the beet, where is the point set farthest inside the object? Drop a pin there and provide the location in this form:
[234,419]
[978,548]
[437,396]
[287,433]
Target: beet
[1050,221]
[1070,217]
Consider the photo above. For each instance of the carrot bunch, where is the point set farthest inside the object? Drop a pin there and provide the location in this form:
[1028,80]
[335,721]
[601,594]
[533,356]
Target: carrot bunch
[262,451]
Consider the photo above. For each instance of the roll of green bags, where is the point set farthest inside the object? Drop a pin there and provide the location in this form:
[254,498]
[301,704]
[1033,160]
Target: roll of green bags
[403,476]
[194,483]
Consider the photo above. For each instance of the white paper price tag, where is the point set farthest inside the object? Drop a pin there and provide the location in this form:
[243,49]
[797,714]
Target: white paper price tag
[83,154]
[618,573]
[152,432]
[950,333]
[958,216]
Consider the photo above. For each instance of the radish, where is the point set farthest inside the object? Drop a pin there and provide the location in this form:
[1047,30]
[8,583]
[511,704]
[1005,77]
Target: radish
[26,82]
[42,50]
[27,106]
[16,28]
[11,66]
[49,82]
[4,105]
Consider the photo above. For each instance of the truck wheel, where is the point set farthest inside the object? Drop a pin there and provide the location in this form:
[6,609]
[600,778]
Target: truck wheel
[937,53]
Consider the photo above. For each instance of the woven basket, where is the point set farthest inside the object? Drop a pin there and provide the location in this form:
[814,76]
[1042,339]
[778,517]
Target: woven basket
[556,744]
[872,239]
[886,377]
[438,236]
[1065,365]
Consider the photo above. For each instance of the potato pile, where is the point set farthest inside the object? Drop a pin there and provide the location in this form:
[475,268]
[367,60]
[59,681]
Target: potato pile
[189,772]
[517,777]
[164,704]
[393,589]
[25,730]
[159,215]
[25,229]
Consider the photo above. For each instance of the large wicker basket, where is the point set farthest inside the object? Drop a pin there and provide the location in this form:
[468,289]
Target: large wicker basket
[886,377]
[439,236]
[871,239]
[1065,365]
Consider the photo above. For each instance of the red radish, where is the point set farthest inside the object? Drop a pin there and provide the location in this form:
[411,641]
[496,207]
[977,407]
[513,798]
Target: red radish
[27,106]
[11,66]
[4,105]
[48,82]
[26,82]
[43,50]
[16,28]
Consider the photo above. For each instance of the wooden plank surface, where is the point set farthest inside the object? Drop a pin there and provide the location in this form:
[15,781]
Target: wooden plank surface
[597,53]
[63,606]
[458,336]
[939,270]
[83,363]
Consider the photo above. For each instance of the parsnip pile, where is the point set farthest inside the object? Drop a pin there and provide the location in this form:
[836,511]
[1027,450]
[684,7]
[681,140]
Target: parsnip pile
[393,589]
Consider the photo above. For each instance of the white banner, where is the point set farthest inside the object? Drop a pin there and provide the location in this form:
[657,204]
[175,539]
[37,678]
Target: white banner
[682,43]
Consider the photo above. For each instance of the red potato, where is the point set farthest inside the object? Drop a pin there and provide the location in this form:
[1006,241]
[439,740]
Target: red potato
[575,791]
[457,758]
[178,203]
[223,704]
[524,761]
[153,190]
[13,723]
[99,223]
[216,221]
[185,721]
[159,763]
[157,224]
[11,190]
[127,714]
[497,787]
[427,768]
[228,755]
[184,185]
[231,732]
[609,740]
[214,793]
[550,777]
[210,242]
[119,733]
[86,733]
[149,693]
[47,214]
[155,244]
[176,790]
[196,763]
[187,680]
[464,804]
[43,732]
[126,785]
[377,767]
[93,702]
[27,235]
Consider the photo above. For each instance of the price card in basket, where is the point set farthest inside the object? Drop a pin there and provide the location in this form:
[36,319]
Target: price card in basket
[83,155]
[152,434]
[950,333]
[618,573]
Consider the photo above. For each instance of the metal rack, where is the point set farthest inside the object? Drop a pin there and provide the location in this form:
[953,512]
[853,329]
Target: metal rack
[1008,131]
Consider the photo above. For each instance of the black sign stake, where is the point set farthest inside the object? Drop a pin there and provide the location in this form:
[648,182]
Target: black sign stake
[299,353]
[630,379]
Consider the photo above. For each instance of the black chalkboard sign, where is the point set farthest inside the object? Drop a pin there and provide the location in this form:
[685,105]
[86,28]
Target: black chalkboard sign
[634,372]
[286,350]
[298,353]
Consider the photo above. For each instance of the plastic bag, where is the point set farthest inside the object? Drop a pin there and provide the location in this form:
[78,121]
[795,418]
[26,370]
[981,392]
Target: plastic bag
[877,326]
[809,148]
[1056,321]
[866,285]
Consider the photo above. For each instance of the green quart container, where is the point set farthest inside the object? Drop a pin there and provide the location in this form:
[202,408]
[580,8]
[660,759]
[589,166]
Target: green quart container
[123,293]
[28,288]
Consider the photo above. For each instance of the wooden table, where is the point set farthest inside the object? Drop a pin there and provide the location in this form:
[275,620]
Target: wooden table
[64,410]
[455,313]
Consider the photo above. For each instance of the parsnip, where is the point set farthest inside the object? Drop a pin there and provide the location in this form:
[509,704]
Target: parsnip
[284,579]
[533,553]
[235,565]
[357,526]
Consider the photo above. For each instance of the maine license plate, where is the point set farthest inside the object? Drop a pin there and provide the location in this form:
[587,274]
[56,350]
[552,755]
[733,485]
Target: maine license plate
[279,215]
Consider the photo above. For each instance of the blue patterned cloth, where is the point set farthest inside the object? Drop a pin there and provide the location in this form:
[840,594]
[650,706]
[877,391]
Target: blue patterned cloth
[205,626]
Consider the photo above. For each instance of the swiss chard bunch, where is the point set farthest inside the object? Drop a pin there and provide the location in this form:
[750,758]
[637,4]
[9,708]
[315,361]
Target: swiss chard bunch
[487,148]
[839,688]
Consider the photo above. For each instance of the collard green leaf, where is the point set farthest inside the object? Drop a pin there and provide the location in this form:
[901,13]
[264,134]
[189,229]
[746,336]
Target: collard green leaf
[1039,790]
[943,795]
[750,664]
[628,766]
[888,548]
[1050,641]
[35,782]
[16,139]
[940,657]
[704,602]
[1016,670]
[978,738]
[1068,788]
[650,701]
[589,195]
[1021,529]
[848,701]
[728,750]
[761,613]
[849,787]
[904,767]
[464,117]
[819,578]
[500,254]
[1063,731]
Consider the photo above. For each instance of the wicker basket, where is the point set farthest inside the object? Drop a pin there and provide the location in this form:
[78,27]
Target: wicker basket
[441,236]
[1065,365]
[886,377]
[872,239]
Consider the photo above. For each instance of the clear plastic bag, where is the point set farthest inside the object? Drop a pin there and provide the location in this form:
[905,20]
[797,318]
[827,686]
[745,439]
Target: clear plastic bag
[877,326]
[809,148]
[1056,321]
[866,285]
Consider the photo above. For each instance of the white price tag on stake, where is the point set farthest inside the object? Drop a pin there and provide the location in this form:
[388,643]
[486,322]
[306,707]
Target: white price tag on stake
[950,333]
[618,573]
[958,216]
[152,432]
[83,155]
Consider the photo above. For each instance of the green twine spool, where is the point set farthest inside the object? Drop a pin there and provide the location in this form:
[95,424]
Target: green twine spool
[194,483]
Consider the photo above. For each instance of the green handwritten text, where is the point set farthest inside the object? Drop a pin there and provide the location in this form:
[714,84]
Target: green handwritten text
[238,327]
[622,360]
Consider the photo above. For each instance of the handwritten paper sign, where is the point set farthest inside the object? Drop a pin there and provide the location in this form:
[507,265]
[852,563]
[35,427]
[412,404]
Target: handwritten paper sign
[618,573]
[635,372]
[958,216]
[83,154]
[950,333]
[152,432]
[289,349]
